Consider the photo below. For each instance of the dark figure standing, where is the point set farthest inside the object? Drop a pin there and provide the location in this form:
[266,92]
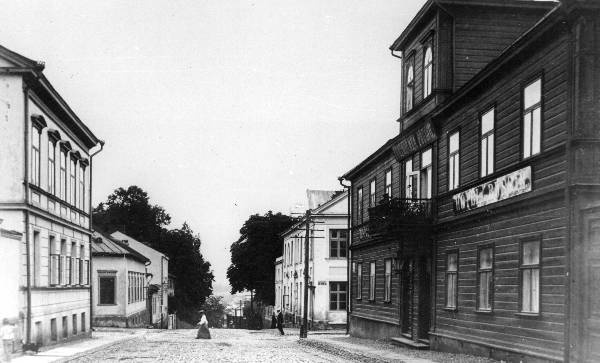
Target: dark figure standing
[273,321]
[280,321]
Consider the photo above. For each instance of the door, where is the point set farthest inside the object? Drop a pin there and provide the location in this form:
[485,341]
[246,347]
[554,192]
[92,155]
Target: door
[592,285]
[406,302]
[424,296]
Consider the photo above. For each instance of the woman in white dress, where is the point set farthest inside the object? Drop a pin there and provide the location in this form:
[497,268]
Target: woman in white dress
[203,332]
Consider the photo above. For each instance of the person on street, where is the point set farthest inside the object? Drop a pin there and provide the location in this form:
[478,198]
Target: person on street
[273,321]
[280,321]
[7,334]
[203,332]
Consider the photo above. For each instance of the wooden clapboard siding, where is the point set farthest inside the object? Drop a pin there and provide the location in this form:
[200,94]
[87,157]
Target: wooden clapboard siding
[377,309]
[482,33]
[544,219]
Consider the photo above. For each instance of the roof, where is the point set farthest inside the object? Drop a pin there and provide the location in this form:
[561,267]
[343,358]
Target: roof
[338,195]
[371,158]
[105,245]
[33,75]
[430,5]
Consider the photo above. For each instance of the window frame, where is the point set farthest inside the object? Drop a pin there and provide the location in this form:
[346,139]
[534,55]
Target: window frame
[489,134]
[36,155]
[490,270]
[538,266]
[387,285]
[448,273]
[338,241]
[372,192]
[63,180]
[359,276]
[388,187]
[103,275]
[338,294]
[359,204]
[372,280]
[410,85]
[73,180]
[427,67]
[426,170]
[526,83]
[407,175]
[455,184]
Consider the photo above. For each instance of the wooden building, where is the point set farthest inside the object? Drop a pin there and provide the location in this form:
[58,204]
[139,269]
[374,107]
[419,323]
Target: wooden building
[476,229]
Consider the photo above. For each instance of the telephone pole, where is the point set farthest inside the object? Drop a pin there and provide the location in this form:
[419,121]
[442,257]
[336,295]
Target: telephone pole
[304,327]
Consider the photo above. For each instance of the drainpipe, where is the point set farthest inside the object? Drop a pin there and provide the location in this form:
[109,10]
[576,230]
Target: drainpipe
[348,258]
[101,142]
[401,76]
[26,182]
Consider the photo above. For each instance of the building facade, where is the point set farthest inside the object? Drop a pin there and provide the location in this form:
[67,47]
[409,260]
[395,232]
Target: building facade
[474,229]
[158,268]
[120,284]
[327,263]
[45,193]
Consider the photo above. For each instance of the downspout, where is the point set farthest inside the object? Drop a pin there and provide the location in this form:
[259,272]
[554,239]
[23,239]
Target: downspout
[162,289]
[348,258]
[90,269]
[401,89]
[26,182]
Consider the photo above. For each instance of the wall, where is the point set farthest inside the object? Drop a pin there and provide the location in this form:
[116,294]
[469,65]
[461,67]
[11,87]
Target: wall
[12,138]
[10,245]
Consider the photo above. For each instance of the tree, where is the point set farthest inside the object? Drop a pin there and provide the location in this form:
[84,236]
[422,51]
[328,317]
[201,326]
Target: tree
[253,255]
[129,210]
[214,309]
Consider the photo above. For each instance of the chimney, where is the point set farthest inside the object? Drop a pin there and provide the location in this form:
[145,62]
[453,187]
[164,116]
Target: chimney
[125,242]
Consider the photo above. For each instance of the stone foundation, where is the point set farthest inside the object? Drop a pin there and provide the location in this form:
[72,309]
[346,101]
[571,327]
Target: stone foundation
[136,320]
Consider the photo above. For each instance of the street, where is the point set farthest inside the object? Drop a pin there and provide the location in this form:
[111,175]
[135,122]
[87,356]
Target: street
[238,345]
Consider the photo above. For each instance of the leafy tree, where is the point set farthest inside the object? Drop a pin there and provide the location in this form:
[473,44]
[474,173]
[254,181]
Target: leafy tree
[253,255]
[129,210]
[214,307]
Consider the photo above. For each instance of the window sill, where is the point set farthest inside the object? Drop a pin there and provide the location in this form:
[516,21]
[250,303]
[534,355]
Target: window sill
[106,304]
[528,315]
[485,312]
[387,301]
[451,309]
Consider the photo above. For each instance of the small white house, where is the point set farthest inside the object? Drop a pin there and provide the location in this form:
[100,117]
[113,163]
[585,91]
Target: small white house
[328,287]
[119,284]
[159,282]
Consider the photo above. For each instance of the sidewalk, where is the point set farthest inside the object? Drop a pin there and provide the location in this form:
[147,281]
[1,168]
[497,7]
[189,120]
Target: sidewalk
[69,350]
[375,351]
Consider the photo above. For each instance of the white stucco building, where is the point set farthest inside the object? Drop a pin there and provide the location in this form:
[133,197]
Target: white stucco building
[119,284]
[327,263]
[45,189]
[158,268]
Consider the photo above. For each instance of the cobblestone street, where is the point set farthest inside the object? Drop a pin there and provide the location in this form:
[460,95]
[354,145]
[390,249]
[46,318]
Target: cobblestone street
[231,345]
[236,345]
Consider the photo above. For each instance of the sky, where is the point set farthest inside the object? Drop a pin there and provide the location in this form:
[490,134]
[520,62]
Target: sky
[220,109]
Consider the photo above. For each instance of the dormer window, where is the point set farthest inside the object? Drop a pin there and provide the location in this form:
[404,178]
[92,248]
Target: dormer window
[427,71]
[410,85]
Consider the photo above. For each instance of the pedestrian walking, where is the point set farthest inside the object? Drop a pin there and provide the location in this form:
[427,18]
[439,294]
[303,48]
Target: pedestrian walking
[280,321]
[273,321]
[203,332]
[7,333]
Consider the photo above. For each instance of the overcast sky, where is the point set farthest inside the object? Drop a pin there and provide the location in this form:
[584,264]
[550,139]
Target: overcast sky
[220,109]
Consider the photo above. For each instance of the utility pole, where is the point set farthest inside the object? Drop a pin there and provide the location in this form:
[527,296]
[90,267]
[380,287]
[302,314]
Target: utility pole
[304,327]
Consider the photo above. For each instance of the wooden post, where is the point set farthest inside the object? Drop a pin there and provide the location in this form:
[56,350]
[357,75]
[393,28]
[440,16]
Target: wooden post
[304,327]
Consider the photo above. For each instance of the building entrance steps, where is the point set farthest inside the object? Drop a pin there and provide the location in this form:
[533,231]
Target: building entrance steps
[405,342]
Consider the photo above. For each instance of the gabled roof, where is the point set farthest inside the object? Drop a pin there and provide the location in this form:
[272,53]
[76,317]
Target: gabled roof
[105,245]
[35,78]
[339,195]
[431,5]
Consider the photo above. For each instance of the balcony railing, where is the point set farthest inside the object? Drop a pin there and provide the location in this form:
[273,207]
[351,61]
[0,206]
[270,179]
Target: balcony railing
[392,215]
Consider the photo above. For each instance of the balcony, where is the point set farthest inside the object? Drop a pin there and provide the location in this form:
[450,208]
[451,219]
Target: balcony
[396,216]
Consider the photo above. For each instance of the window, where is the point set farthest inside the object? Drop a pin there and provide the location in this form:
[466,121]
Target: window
[83,327]
[410,86]
[337,296]
[388,281]
[63,174]
[530,276]
[412,181]
[106,283]
[74,324]
[35,155]
[53,330]
[72,182]
[359,280]
[37,259]
[452,279]
[372,281]
[532,119]
[81,264]
[485,279]
[427,71]
[426,174]
[338,238]
[359,205]
[81,186]
[454,160]
[54,265]
[388,183]
[372,193]
[65,327]
[74,264]
[487,143]
[63,262]
[51,167]
[136,287]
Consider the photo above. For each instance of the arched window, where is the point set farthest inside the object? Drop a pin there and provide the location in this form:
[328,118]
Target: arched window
[427,72]
[410,86]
